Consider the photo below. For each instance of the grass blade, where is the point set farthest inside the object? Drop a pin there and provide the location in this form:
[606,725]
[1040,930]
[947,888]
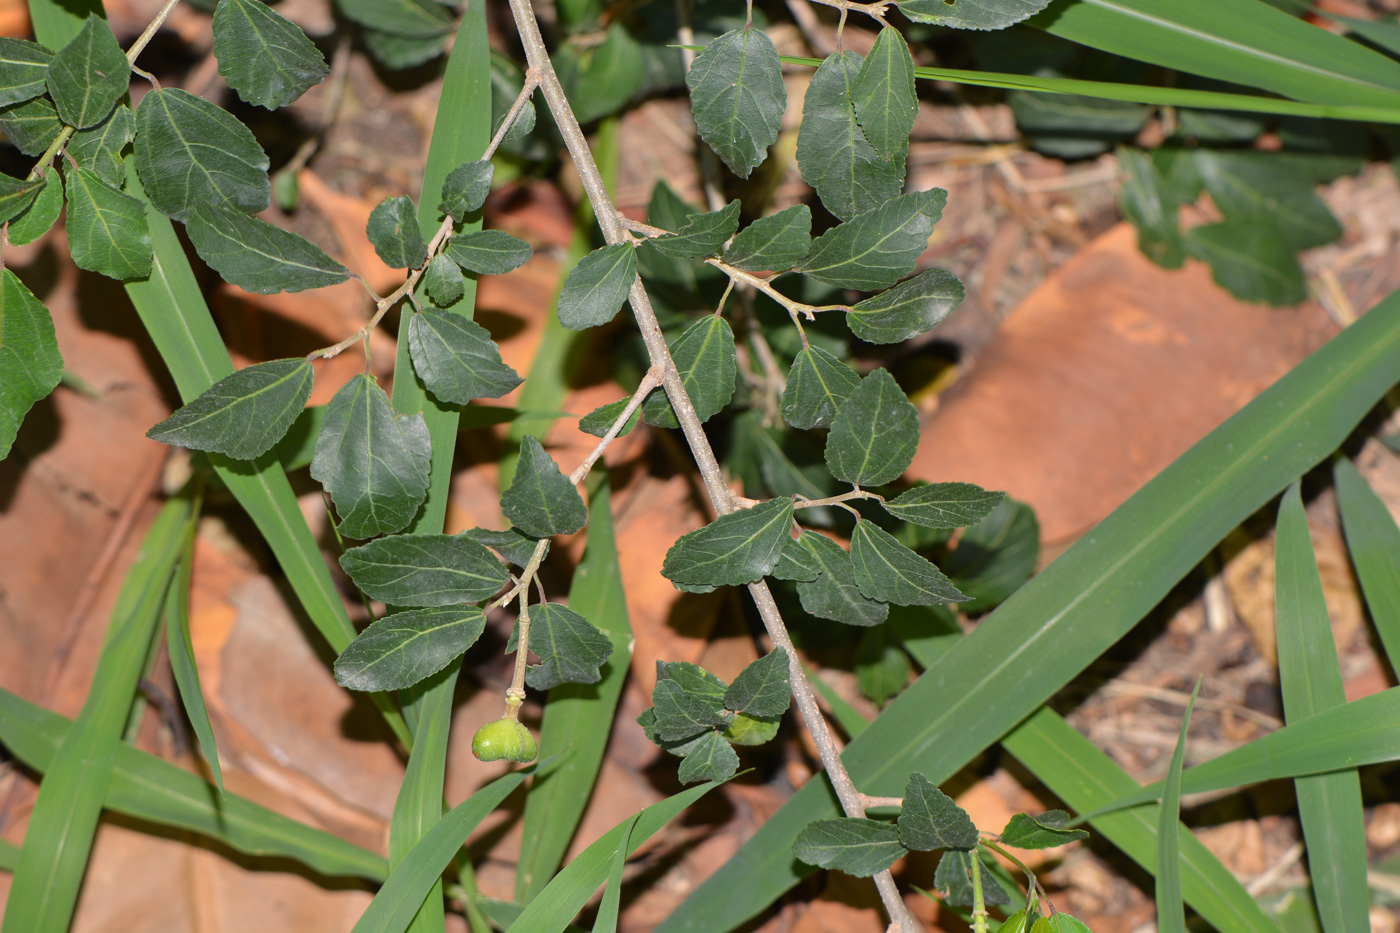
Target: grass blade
[9,855]
[606,921]
[1334,825]
[1171,914]
[1373,539]
[182,664]
[850,719]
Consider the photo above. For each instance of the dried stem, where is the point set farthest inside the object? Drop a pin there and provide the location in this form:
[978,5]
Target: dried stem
[140,44]
[650,381]
[871,802]
[532,81]
[875,11]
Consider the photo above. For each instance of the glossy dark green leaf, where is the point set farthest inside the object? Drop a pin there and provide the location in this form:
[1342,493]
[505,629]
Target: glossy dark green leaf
[874,434]
[465,189]
[777,242]
[424,570]
[910,308]
[188,152]
[401,649]
[834,595]
[266,59]
[954,878]
[817,385]
[24,67]
[31,126]
[487,252]
[1250,261]
[393,228]
[37,219]
[257,256]
[709,759]
[99,148]
[107,230]
[457,359]
[414,19]
[882,667]
[243,414]
[944,505]
[883,94]
[444,281]
[971,14]
[1145,202]
[18,196]
[541,501]
[762,688]
[596,287]
[879,247]
[705,357]
[372,460]
[859,847]
[889,572]
[510,544]
[30,364]
[995,556]
[88,74]
[734,549]
[796,563]
[930,819]
[1256,188]
[601,419]
[571,649]
[702,234]
[738,98]
[1045,831]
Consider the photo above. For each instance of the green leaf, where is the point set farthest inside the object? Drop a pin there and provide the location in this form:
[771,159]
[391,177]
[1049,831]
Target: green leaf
[401,649]
[681,712]
[703,234]
[818,384]
[705,357]
[750,730]
[1373,540]
[1258,188]
[738,98]
[1144,200]
[444,281]
[709,759]
[611,904]
[882,668]
[910,308]
[796,563]
[572,650]
[944,505]
[971,14]
[189,152]
[1045,831]
[457,359]
[24,69]
[601,419]
[930,819]
[734,549]
[402,52]
[888,571]
[596,287]
[515,547]
[37,219]
[31,126]
[874,434]
[762,688]
[777,242]
[424,570]
[859,847]
[541,501]
[182,664]
[879,247]
[99,148]
[1250,261]
[107,230]
[17,196]
[88,74]
[995,556]
[953,876]
[243,414]
[487,252]
[393,228]
[834,595]
[602,76]
[30,364]
[412,19]
[883,95]
[257,256]
[1171,915]
[465,189]
[372,461]
[269,61]
[1063,923]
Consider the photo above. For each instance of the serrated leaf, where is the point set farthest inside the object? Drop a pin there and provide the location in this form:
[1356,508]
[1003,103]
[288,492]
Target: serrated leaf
[703,234]
[401,649]
[541,501]
[88,75]
[30,364]
[879,247]
[596,287]
[860,847]
[888,571]
[834,595]
[681,714]
[910,308]
[243,414]
[415,19]
[1045,831]
[944,505]
[1144,202]
[1259,189]
[884,96]
[424,570]
[572,650]
[750,730]
[874,434]
[457,359]
[601,419]
[393,228]
[465,189]
[257,256]
[1062,922]
[269,61]
[953,877]
[17,196]
[817,385]
[24,69]
[444,281]
[99,148]
[931,820]
[971,14]
[487,252]
[510,544]
[777,242]
[373,461]
[762,688]
[734,549]
[107,230]
[882,667]
[36,220]
[1250,261]
[796,563]
[188,152]
[737,97]
[705,358]
[709,759]
[693,678]
[31,126]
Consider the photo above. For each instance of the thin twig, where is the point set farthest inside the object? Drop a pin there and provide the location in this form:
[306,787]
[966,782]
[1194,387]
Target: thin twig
[151,29]
[650,381]
[532,81]
[872,802]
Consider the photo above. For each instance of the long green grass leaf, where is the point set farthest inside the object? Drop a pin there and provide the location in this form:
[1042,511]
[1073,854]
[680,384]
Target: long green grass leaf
[606,921]
[182,664]
[9,855]
[1373,539]
[1171,914]
[847,716]
[1086,600]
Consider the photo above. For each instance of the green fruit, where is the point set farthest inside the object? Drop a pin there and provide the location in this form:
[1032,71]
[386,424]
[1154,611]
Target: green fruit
[504,739]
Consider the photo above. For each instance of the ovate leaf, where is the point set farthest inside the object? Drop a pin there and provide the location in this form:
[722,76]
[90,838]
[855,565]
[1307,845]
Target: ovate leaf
[31,126]
[487,252]
[817,385]
[30,364]
[372,460]
[777,242]
[930,819]
[888,571]
[243,414]
[705,357]
[257,256]
[744,729]
[107,230]
[413,19]
[24,69]
[1144,200]
[910,308]
[88,74]
[444,281]
[424,570]
[709,759]
[762,688]
[738,98]
[17,196]
[269,61]
[35,220]
[456,358]
[996,555]
[401,52]
[190,152]
[874,434]
[882,667]
[1249,260]
[971,14]
[702,235]
[1259,188]
[884,97]
[687,702]
[859,847]
[403,648]
[596,287]
[834,595]
[796,563]
[99,148]
[734,549]
[465,189]
[954,878]
[1045,831]
[393,228]
[944,505]
[541,501]
[570,648]
[879,247]
[601,419]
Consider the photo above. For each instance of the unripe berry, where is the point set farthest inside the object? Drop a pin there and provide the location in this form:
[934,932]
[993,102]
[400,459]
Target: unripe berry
[504,739]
